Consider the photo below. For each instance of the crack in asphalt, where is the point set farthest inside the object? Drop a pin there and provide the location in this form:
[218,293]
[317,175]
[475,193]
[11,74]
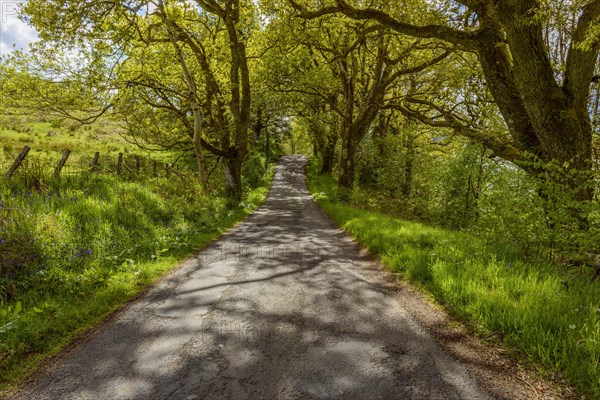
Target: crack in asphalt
[284,306]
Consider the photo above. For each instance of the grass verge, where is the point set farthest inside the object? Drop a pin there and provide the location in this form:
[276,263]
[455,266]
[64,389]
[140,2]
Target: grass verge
[75,249]
[549,313]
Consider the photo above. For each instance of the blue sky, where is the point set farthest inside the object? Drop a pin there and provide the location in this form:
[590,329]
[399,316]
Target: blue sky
[13,31]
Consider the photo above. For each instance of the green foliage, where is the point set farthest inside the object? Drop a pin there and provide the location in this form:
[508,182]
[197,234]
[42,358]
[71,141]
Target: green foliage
[254,170]
[551,314]
[420,175]
[407,172]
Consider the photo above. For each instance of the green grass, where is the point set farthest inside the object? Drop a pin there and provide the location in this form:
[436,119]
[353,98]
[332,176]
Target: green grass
[548,312]
[48,139]
[75,249]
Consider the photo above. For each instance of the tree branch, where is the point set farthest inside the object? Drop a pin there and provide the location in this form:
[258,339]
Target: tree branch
[581,59]
[500,147]
[417,68]
[467,39]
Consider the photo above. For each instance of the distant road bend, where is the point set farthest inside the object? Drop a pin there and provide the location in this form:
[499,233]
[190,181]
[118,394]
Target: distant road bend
[284,306]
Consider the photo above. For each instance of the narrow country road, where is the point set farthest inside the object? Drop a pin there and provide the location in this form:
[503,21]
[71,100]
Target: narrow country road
[284,306]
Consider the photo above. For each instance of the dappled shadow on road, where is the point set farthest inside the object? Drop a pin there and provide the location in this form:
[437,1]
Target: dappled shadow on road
[281,307]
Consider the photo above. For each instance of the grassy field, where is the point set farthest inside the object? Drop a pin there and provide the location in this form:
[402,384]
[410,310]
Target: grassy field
[75,248]
[551,314]
[48,139]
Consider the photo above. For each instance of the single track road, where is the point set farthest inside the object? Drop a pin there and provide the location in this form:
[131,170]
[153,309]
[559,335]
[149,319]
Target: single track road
[284,306]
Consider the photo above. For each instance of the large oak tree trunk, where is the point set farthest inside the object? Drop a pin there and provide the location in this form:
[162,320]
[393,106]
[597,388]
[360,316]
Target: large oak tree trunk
[232,168]
[557,113]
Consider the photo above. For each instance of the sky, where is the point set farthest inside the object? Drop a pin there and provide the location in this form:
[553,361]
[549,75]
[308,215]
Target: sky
[12,30]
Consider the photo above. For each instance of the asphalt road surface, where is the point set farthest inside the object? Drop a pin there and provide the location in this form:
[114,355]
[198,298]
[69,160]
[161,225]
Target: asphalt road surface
[284,306]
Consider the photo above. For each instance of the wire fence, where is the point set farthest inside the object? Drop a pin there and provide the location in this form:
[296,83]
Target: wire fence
[69,164]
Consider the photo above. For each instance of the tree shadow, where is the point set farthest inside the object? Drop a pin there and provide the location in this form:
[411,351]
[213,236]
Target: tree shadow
[283,306]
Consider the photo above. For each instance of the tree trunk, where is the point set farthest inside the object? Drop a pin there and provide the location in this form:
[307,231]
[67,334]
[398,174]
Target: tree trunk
[380,133]
[199,152]
[572,152]
[193,89]
[329,152]
[201,165]
[232,167]
[352,135]
[347,164]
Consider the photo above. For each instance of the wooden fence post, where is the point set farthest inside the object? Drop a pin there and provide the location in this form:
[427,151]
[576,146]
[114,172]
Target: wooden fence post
[61,163]
[120,164]
[17,163]
[94,164]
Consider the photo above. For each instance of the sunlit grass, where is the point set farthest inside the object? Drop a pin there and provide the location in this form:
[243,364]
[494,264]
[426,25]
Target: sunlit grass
[47,140]
[550,313]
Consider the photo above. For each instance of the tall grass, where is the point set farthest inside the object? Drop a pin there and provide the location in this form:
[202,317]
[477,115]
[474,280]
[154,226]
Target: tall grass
[75,248]
[548,312]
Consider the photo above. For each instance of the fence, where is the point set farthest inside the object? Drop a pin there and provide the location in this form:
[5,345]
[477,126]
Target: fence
[119,164]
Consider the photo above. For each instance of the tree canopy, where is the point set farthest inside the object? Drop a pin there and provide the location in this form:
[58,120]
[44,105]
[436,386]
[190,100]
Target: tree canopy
[517,77]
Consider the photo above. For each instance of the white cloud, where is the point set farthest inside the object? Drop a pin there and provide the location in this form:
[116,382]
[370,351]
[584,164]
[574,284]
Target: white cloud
[12,30]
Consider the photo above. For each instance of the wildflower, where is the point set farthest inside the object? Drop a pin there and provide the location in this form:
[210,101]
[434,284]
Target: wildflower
[572,326]
[2,240]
